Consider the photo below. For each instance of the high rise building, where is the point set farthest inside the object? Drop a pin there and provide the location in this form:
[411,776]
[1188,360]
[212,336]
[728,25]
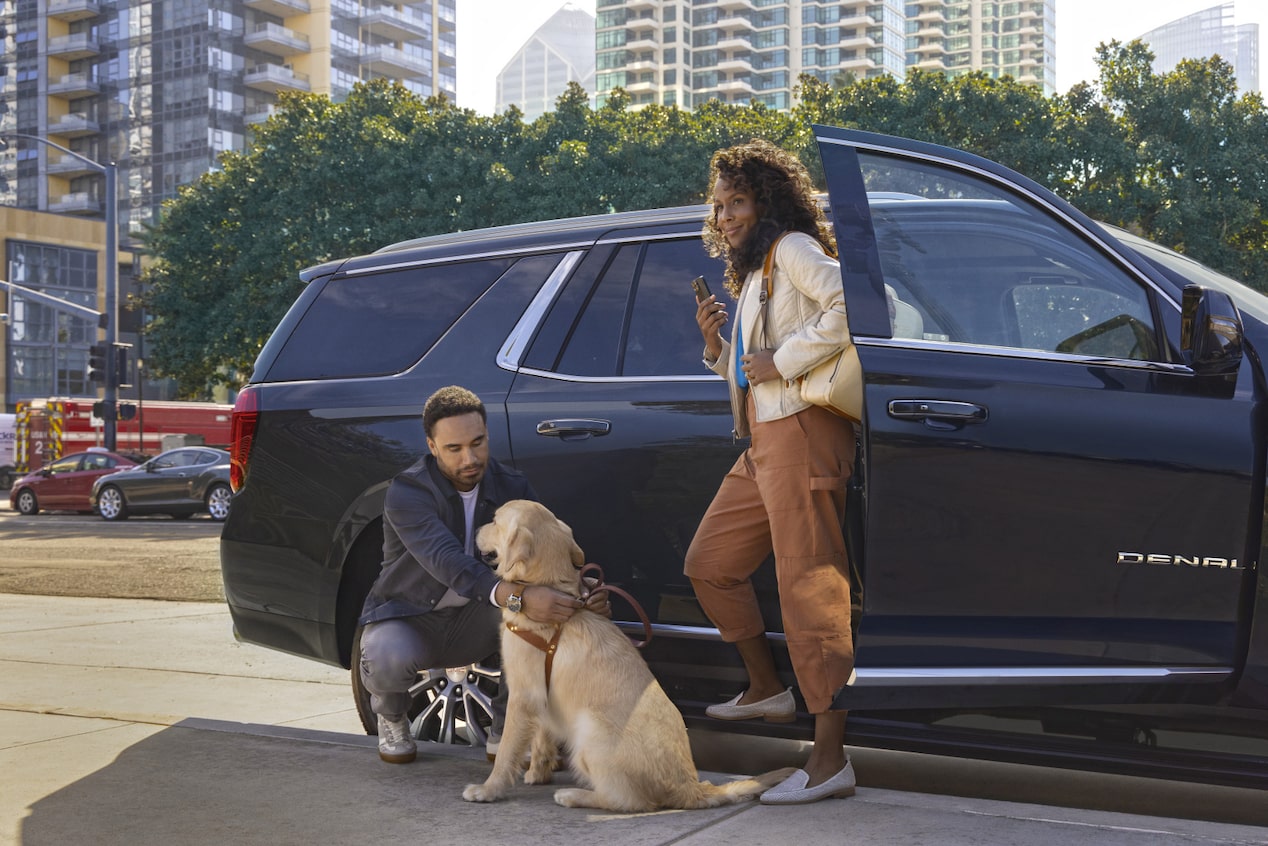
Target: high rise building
[1207,33]
[163,87]
[559,52]
[998,39]
[683,52]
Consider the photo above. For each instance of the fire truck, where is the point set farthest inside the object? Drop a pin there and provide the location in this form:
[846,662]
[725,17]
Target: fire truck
[46,430]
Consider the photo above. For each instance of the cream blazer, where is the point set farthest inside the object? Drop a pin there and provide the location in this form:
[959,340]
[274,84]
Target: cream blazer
[806,323]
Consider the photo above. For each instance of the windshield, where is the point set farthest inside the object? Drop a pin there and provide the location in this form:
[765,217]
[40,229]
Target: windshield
[1184,269]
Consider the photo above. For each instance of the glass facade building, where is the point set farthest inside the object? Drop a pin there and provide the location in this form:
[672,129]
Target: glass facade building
[684,52]
[1210,32]
[162,88]
[559,52]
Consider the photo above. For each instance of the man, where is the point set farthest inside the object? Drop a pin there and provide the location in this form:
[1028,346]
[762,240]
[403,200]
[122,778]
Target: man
[436,603]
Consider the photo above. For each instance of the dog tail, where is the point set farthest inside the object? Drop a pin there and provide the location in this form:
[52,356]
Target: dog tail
[743,790]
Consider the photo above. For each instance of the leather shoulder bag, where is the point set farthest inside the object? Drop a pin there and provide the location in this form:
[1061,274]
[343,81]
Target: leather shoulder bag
[836,383]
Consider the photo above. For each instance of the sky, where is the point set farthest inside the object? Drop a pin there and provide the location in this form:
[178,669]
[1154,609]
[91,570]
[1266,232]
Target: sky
[491,31]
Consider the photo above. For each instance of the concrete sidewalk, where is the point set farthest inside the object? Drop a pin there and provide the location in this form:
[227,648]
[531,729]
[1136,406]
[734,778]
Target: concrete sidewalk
[136,722]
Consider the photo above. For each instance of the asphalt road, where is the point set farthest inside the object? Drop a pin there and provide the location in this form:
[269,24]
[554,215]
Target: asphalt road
[65,554]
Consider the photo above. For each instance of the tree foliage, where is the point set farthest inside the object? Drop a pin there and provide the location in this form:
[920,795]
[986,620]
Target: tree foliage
[1176,157]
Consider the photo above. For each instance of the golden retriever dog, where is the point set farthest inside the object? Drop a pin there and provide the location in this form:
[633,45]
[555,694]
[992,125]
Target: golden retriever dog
[626,741]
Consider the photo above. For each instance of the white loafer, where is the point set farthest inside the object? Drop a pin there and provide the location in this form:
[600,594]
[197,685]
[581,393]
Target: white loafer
[793,790]
[780,708]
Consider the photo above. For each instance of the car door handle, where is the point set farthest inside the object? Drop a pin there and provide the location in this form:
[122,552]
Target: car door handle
[573,429]
[945,410]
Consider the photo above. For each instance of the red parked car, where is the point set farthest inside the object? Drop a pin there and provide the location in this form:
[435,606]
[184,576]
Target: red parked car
[65,484]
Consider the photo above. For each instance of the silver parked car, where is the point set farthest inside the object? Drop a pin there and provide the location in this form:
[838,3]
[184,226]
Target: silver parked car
[179,482]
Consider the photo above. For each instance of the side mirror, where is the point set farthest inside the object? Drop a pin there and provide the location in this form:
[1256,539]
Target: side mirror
[1210,332]
[150,467]
[45,472]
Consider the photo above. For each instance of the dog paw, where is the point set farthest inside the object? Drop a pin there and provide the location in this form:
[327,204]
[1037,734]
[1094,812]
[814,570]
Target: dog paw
[538,774]
[480,793]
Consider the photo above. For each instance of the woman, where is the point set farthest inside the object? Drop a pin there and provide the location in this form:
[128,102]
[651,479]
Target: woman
[786,493]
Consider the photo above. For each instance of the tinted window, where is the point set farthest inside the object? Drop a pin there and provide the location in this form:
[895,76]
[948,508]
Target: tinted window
[381,323]
[94,461]
[65,465]
[965,262]
[629,311]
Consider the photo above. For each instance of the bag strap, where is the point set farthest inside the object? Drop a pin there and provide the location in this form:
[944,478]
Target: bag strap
[768,282]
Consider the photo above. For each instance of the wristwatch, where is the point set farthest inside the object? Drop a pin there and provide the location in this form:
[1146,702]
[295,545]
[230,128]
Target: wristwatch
[515,602]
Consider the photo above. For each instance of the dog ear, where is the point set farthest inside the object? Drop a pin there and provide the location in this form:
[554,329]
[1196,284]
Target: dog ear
[519,546]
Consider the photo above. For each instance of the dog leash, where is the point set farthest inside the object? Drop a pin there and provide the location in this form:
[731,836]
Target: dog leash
[552,645]
[601,585]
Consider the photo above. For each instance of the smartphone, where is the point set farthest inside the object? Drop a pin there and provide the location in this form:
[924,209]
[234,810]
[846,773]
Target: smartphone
[701,288]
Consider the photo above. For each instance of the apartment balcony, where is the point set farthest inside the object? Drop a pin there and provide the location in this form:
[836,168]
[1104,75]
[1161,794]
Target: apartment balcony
[933,48]
[69,167]
[277,40]
[638,67]
[260,114]
[345,8]
[734,22]
[736,86]
[735,63]
[390,22]
[930,64]
[81,45]
[725,5]
[641,5]
[281,8]
[930,30]
[72,86]
[734,42]
[640,87]
[390,61]
[645,40]
[73,126]
[73,10]
[79,203]
[275,78]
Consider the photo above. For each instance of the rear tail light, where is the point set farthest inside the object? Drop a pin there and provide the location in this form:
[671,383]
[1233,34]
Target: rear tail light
[246,413]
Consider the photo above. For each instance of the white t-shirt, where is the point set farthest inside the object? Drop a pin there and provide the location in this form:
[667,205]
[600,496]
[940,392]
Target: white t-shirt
[452,598]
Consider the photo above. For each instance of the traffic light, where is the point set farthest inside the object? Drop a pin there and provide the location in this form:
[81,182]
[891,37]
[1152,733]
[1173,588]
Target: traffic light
[127,410]
[121,379]
[97,362]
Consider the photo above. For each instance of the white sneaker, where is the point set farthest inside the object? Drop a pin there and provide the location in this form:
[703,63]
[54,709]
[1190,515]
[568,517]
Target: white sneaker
[396,744]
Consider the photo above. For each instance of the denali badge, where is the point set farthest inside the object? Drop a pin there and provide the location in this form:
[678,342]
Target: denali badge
[1178,560]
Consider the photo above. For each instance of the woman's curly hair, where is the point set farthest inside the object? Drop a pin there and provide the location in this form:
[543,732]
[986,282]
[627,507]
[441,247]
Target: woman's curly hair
[780,184]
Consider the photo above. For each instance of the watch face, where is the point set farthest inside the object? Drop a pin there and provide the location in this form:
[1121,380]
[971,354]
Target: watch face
[513,603]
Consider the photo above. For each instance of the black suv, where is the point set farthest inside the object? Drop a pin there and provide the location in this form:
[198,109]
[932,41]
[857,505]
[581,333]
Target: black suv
[1058,510]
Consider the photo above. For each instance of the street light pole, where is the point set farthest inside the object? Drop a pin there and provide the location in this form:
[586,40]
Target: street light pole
[110,433]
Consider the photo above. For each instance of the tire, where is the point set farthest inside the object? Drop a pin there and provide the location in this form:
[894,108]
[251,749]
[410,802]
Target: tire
[218,498]
[27,502]
[442,699]
[111,505]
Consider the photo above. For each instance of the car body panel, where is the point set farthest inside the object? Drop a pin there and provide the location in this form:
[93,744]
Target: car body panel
[176,481]
[66,482]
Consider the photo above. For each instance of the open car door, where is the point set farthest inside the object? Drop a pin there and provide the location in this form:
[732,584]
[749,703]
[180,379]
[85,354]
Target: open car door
[1056,504]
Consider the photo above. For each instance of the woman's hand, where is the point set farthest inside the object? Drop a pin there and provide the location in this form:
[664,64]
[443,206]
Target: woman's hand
[710,317]
[760,367]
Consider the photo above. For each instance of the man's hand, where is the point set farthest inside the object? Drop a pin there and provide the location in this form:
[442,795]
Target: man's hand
[547,605]
[597,601]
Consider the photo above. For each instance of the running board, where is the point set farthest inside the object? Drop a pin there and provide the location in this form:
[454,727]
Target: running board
[981,687]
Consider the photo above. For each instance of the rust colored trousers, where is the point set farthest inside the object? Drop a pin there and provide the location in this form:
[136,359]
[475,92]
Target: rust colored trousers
[785,494]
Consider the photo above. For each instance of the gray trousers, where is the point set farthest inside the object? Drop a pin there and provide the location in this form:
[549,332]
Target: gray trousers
[394,651]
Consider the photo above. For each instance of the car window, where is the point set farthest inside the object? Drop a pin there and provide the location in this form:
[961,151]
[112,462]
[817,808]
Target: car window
[69,464]
[966,262]
[178,458]
[93,461]
[381,323]
[207,457]
[663,338]
[629,311]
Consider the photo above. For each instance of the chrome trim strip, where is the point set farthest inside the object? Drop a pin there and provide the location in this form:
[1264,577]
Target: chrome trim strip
[1018,352]
[516,251]
[564,377]
[942,676]
[509,355]
[1013,188]
[685,632]
[664,236]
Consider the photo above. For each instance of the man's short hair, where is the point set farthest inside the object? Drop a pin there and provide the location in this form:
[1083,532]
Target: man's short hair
[450,401]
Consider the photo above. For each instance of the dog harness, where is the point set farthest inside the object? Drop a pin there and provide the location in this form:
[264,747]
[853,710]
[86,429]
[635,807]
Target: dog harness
[552,645]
